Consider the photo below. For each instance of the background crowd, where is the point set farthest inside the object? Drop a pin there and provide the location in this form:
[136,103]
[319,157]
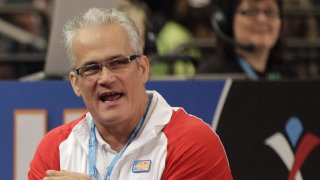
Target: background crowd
[180,39]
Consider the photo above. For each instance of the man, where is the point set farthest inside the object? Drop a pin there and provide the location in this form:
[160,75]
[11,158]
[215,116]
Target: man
[128,133]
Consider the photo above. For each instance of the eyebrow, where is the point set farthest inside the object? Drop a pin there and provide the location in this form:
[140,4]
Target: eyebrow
[89,62]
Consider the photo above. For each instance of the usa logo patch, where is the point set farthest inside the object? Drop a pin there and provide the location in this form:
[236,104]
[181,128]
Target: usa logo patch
[140,166]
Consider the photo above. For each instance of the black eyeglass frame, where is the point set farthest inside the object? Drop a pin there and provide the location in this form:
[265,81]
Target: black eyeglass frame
[253,12]
[105,63]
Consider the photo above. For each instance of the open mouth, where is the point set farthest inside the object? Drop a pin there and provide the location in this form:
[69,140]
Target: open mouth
[110,96]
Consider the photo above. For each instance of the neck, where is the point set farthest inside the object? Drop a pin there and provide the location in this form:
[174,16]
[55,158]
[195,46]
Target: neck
[258,60]
[118,135]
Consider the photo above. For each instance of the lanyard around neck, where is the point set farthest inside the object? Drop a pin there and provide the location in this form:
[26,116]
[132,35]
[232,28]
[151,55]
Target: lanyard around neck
[248,69]
[93,148]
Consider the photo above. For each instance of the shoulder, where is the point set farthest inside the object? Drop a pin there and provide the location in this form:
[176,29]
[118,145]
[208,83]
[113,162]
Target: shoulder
[59,134]
[218,63]
[188,130]
[47,153]
[194,150]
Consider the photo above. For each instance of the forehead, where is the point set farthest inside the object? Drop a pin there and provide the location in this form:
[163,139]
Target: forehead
[257,2]
[100,35]
[100,42]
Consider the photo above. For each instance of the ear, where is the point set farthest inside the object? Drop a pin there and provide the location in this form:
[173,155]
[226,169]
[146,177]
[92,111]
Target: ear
[144,67]
[75,84]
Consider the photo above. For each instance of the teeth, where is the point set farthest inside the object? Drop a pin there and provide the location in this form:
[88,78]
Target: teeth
[110,96]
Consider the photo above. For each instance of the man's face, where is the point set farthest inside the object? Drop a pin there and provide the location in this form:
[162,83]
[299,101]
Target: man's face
[112,96]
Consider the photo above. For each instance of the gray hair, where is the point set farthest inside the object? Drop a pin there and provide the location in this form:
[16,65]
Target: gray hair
[100,17]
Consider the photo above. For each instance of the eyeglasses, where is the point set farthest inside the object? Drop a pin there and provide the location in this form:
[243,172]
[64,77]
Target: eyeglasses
[254,12]
[115,65]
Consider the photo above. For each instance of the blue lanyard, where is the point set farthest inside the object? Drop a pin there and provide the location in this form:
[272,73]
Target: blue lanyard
[93,145]
[248,69]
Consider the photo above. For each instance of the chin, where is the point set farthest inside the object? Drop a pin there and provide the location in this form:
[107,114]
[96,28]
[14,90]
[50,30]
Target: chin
[264,44]
[108,120]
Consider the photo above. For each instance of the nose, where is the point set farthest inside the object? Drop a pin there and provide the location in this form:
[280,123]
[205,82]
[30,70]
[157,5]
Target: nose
[106,76]
[261,16]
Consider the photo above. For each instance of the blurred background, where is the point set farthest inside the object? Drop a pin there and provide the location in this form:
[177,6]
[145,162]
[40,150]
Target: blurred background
[178,35]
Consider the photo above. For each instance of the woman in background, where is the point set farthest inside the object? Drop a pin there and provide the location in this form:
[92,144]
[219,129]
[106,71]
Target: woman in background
[255,26]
